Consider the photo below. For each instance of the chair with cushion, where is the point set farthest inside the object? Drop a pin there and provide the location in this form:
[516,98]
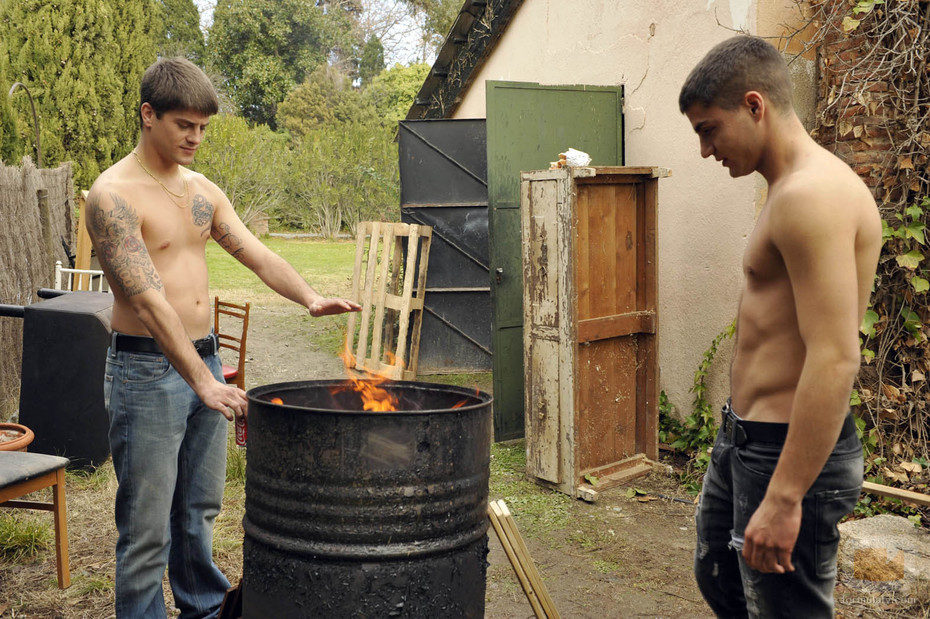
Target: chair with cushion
[22,473]
[232,374]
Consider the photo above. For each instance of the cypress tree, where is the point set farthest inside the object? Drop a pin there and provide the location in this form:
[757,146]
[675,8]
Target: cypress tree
[372,61]
[82,60]
[183,36]
[140,31]
[11,147]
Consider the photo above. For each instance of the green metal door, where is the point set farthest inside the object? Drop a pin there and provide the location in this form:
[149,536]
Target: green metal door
[528,126]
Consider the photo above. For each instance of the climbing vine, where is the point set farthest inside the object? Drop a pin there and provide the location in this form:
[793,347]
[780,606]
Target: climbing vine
[874,113]
[694,434]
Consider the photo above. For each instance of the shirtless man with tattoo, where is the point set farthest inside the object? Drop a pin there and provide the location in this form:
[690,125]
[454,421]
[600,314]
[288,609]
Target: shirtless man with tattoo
[787,464]
[150,218]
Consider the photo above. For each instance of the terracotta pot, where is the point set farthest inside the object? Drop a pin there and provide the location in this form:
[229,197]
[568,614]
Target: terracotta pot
[20,442]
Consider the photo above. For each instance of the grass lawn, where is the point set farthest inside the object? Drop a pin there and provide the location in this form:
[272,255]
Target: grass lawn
[327,265]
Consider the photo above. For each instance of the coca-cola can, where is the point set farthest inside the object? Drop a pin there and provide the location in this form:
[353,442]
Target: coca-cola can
[242,431]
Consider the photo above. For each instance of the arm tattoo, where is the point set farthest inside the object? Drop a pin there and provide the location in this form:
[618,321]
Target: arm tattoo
[120,247]
[228,241]
[202,212]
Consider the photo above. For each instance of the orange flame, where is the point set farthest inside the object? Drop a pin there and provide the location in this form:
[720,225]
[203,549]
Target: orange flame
[374,398]
[464,402]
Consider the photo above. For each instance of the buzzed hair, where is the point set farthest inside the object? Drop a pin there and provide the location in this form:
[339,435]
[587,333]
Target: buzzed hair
[733,68]
[177,84]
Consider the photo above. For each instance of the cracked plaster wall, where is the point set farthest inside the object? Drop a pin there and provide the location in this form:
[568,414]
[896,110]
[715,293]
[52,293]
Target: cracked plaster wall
[704,216]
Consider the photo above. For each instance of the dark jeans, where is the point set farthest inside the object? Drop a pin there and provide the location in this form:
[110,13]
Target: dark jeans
[734,485]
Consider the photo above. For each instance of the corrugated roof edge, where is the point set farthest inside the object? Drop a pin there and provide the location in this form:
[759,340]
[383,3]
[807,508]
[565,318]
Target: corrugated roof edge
[473,36]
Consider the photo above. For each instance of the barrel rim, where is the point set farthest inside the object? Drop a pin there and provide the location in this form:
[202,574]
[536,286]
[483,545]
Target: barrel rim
[484,399]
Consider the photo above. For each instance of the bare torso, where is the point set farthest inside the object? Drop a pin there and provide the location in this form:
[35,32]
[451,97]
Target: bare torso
[175,238]
[770,353]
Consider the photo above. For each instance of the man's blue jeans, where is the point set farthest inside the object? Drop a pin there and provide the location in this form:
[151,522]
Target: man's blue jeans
[169,452]
[734,485]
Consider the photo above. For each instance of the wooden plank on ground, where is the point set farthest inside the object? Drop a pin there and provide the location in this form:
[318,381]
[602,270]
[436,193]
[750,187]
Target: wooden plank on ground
[496,516]
[618,473]
[896,493]
[529,566]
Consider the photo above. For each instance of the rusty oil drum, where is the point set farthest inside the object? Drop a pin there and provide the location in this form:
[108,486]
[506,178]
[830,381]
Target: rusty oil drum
[366,514]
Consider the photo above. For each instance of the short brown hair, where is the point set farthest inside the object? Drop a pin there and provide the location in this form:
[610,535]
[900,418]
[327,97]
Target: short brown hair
[733,68]
[177,84]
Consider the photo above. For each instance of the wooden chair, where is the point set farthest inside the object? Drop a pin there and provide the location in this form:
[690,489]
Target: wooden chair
[79,279]
[233,342]
[22,473]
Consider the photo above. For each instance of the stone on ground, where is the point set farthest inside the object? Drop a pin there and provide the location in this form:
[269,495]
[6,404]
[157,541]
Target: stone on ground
[885,549]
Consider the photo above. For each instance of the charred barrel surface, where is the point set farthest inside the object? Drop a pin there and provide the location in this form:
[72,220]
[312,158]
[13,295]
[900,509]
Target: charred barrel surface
[366,514]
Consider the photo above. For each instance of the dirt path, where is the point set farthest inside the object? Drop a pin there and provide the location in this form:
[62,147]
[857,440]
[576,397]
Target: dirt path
[617,558]
[280,347]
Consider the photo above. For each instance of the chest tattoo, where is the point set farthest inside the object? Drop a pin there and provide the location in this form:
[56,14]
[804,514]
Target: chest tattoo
[201,211]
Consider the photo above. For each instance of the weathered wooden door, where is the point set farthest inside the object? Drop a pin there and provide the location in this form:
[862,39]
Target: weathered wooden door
[590,294]
[528,126]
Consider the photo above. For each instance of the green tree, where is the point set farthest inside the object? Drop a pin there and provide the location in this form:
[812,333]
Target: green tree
[371,62]
[326,97]
[82,60]
[183,36]
[138,33]
[339,175]
[245,162]
[392,92]
[11,146]
[264,48]
[438,17]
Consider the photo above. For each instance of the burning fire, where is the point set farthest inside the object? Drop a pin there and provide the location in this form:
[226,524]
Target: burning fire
[464,402]
[374,398]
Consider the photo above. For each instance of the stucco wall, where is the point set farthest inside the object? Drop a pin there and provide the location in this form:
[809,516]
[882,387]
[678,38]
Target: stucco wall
[704,215]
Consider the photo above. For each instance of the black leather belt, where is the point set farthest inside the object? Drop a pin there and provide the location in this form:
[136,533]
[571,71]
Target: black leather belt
[740,432]
[120,342]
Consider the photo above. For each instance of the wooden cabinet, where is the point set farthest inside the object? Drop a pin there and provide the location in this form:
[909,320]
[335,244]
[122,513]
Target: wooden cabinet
[589,310]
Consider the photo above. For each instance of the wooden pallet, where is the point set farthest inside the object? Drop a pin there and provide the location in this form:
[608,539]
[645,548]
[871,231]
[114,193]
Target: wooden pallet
[392,307]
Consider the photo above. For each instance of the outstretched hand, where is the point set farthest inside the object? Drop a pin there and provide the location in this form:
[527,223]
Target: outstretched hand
[770,536]
[327,306]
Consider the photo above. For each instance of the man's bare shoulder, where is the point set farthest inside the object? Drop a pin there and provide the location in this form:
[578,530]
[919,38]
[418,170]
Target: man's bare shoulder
[824,193]
[200,184]
[115,180]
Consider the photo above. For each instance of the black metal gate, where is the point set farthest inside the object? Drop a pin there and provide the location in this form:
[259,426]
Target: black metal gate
[443,184]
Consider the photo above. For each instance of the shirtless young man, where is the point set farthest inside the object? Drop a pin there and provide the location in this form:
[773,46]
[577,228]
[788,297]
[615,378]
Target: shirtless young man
[150,218]
[786,465]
